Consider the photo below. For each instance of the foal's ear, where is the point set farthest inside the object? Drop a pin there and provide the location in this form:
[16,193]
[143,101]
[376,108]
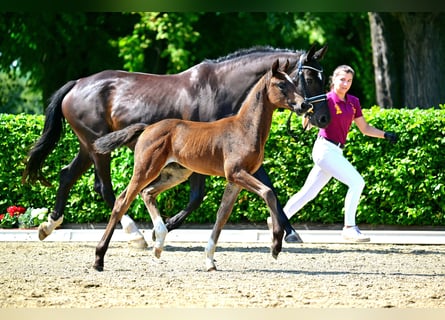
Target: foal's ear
[275,66]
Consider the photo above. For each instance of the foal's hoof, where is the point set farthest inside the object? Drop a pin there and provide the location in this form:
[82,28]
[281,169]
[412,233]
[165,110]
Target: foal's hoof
[274,252]
[99,268]
[157,252]
[210,266]
[293,237]
[42,231]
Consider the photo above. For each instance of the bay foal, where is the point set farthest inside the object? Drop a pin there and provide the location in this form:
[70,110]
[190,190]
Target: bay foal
[232,147]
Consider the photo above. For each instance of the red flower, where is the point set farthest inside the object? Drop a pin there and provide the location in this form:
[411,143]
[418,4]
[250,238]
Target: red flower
[21,209]
[11,210]
[15,210]
[2,216]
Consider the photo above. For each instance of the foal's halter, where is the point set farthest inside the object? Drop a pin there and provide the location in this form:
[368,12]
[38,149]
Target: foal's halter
[308,101]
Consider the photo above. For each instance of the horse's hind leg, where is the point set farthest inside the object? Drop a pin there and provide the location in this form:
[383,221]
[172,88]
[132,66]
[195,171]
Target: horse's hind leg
[225,209]
[197,192]
[104,187]
[68,176]
[291,235]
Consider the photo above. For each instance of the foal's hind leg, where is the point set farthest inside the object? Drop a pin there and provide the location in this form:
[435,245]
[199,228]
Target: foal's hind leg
[171,175]
[225,209]
[104,187]
[159,229]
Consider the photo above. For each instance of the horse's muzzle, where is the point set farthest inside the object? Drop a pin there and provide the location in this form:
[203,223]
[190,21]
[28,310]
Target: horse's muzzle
[322,121]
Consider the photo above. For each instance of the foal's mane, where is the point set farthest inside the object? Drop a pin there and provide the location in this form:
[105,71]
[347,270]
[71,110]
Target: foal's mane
[254,50]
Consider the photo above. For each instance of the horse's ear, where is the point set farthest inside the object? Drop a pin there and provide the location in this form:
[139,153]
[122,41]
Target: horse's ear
[310,53]
[286,66]
[320,53]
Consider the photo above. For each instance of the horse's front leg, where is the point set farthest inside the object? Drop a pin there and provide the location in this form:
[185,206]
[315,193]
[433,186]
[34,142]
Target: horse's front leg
[225,209]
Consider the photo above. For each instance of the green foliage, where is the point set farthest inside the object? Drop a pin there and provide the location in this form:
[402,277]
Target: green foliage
[404,182]
[16,95]
[56,47]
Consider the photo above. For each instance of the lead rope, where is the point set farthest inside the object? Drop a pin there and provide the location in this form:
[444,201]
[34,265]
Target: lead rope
[289,129]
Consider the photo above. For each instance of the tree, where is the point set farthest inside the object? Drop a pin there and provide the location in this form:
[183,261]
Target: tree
[57,47]
[407,56]
[54,48]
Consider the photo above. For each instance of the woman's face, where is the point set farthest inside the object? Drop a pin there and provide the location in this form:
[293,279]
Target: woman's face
[342,81]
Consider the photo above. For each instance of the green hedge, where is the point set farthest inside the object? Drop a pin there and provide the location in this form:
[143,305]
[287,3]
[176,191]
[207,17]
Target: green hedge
[404,182]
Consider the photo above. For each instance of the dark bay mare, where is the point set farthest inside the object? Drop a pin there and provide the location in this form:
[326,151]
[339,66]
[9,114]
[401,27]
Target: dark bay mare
[231,147]
[112,100]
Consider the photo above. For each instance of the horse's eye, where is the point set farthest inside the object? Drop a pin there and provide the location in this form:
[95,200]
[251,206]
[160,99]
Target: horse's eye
[309,81]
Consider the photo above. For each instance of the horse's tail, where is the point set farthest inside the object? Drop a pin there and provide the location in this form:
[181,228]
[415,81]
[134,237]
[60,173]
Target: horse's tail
[52,131]
[117,139]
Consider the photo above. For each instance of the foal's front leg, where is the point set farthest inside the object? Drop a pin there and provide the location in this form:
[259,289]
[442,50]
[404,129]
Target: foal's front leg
[252,184]
[225,209]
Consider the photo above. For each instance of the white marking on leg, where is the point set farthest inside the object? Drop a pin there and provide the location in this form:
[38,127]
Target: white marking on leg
[210,252]
[135,237]
[160,231]
[46,228]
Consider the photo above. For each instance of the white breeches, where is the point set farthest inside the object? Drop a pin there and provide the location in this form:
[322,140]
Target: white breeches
[329,162]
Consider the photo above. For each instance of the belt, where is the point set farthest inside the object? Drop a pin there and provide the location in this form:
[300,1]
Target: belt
[338,144]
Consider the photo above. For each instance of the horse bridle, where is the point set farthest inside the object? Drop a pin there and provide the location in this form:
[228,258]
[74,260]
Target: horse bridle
[307,101]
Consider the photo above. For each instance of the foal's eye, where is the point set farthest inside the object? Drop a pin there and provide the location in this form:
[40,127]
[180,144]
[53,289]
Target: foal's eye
[282,85]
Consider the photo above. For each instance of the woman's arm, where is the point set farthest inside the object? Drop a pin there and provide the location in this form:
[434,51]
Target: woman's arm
[367,129]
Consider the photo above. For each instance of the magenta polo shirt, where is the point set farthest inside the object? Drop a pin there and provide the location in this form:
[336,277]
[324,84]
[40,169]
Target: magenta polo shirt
[342,115]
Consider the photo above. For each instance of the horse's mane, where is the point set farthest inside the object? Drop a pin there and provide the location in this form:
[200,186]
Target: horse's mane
[244,52]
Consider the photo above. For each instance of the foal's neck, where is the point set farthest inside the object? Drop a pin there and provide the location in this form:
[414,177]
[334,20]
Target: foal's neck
[256,112]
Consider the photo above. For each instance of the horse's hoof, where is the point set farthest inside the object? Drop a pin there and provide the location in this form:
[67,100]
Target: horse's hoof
[211,269]
[293,237]
[138,243]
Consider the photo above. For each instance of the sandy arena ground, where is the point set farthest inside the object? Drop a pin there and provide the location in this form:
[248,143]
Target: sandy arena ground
[60,274]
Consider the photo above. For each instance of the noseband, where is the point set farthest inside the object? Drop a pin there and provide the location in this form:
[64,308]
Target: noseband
[308,101]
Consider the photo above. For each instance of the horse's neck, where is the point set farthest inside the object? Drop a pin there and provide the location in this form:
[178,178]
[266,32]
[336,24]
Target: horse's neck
[254,65]
[242,73]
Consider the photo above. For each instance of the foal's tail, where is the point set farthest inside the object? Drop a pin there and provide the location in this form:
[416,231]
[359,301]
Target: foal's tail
[119,138]
[52,131]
